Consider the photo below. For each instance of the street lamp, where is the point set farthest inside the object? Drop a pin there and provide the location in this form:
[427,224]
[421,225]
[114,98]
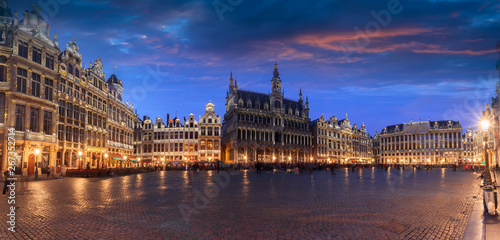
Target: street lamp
[489,191]
[245,157]
[80,159]
[37,151]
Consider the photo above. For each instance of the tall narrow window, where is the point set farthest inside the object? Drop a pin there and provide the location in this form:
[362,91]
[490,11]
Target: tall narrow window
[22,78]
[62,86]
[22,49]
[70,69]
[34,117]
[36,55]
[3,73]
[49,61]
[2,107]
[35,84]
[47,122]
[49,86]
[19,120]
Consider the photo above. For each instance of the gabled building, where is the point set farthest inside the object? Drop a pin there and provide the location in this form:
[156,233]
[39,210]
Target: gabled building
[338,141]
[265,127]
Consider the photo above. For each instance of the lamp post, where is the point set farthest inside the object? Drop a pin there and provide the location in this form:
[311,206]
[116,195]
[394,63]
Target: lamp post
[80,159]
[489,190]
[37,151]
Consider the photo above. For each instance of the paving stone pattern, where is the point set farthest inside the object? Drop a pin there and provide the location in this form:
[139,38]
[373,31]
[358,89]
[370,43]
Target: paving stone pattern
[366,204]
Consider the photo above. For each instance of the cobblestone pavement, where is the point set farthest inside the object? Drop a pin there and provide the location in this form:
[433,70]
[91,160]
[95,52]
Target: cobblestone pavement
[366,204]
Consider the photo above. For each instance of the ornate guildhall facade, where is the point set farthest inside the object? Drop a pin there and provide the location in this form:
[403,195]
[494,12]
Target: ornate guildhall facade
[56,105]
[338,141]
[178,141]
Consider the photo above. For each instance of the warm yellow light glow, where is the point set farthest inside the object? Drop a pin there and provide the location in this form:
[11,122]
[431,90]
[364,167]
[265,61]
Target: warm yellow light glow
[245,157]
[311,159]
[37,151]
[106,155]
[125,157]
[485,124]
[289,158]
[139,159]
[79,153]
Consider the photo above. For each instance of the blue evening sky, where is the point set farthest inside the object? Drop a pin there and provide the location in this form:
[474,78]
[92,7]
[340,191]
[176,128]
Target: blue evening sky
[381,61]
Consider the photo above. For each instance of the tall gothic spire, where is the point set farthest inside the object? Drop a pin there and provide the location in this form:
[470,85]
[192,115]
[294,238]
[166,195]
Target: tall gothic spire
[231,79]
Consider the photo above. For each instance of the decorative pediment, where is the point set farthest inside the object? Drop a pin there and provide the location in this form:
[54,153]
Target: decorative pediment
[97,68]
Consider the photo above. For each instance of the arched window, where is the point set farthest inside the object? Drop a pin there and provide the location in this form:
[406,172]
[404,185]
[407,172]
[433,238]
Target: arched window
[277,104]
[209,120]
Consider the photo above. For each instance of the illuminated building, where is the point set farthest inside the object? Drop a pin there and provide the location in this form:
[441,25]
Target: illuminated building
[338,141]
[265,127]
[422,142]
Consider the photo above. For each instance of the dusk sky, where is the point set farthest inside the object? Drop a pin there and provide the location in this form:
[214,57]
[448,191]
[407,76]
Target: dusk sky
[430,59]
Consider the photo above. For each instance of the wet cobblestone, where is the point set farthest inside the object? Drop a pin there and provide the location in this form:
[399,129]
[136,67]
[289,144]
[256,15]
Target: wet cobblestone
[367,204]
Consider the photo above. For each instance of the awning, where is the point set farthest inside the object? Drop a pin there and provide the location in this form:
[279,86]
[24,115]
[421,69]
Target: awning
[132,158]
[119,159]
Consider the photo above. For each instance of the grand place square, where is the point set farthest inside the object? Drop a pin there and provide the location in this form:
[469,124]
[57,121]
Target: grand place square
[235,120]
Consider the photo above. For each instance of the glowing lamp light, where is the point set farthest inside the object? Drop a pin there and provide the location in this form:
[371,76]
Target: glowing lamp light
[106,155]
[80,153]
[37,151]
[485,124]
[125,157]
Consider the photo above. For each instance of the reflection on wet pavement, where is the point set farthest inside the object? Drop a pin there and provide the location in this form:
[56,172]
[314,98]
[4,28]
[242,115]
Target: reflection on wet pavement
[367,203]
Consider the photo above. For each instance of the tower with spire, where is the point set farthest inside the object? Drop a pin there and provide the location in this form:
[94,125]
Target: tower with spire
[258,119]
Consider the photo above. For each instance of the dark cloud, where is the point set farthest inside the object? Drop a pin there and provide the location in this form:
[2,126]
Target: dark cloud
[424,62]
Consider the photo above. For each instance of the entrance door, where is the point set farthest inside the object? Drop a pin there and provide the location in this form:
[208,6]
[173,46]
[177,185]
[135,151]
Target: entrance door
[31,164]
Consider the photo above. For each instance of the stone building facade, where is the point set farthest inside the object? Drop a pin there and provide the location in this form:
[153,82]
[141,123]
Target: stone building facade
[467,147]
[338,141]
[265,127]
[210,135]
[178,141]
[55,105]
[422,142]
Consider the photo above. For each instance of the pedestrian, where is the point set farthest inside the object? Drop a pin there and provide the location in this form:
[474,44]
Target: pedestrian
[5,181]
[48,172]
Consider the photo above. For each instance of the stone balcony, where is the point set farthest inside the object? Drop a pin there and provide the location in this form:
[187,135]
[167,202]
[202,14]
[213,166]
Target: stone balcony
[35,136]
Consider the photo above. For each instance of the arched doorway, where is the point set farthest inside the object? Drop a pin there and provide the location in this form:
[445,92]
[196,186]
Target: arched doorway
[31,164]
